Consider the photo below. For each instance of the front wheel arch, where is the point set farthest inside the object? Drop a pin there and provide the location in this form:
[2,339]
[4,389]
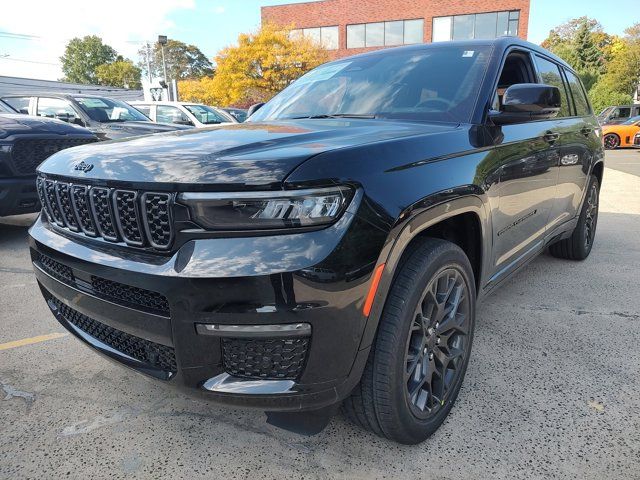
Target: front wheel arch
[414,229]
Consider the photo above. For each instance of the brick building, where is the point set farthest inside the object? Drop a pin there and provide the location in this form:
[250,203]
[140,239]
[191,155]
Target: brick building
[347,27]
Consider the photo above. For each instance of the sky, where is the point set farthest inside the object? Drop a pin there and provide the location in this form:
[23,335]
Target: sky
[31,48]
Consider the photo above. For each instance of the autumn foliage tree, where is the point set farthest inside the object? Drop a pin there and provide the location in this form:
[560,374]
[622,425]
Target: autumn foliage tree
[262,64]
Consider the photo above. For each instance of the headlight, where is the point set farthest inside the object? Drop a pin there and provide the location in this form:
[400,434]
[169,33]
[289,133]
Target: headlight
[264,210]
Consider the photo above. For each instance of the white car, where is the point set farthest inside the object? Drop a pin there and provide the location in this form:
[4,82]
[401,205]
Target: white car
[184,113]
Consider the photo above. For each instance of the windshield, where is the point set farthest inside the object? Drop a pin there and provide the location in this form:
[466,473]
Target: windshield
[105,110]
[5,109]
[430,84]
[632,120]
[207,115]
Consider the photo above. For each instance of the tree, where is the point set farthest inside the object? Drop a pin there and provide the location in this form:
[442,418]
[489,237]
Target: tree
[602,96]
[183,61]
[82,56]
[582,43]
[261,65]
[623,71]
[121,73]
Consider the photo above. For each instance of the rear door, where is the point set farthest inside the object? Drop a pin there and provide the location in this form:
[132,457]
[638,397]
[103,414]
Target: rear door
[578,143]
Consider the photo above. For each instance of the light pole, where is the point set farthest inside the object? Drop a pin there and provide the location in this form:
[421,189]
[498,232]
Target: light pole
[162,40]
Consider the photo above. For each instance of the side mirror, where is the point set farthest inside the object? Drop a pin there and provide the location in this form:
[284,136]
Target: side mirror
[254,108]
[524,102]
[64,116]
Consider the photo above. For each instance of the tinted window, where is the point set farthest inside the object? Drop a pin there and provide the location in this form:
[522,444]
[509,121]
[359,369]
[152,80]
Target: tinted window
[206,114]
[55,108]
[146,109]
[169,114]
[107,110]
[621,112]
[550,74]
[579,97]
[21,104]
[439,83]
[5,108]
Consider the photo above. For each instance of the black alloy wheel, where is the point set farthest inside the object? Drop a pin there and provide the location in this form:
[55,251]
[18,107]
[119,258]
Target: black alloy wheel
[437,342]
[591,216]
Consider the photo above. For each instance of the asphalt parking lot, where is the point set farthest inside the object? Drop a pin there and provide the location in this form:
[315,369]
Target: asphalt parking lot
[552,390]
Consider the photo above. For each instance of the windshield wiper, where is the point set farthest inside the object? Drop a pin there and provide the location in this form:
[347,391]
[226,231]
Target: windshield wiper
[334,115]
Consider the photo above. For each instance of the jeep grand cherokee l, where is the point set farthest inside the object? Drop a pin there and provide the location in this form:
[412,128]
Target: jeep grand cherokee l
[331,249]
[24,143]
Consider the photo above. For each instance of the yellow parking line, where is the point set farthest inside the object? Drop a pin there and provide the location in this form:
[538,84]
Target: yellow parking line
[31,341]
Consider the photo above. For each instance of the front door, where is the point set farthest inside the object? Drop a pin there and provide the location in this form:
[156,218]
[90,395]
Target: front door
[524,172]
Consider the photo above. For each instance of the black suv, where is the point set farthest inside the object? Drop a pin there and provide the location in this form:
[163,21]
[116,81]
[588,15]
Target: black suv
[108,118]
[24,143]
[331,249]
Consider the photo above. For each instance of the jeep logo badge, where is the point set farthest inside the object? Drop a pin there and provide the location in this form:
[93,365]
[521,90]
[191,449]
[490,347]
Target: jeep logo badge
[83,167]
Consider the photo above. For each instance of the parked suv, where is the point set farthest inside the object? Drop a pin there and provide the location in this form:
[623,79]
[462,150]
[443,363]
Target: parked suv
[184,113]
[618,114]
[24,143]
[106,117]
[332,248]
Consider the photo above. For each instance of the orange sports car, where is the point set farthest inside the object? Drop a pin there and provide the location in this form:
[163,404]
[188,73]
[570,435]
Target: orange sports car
[621,135]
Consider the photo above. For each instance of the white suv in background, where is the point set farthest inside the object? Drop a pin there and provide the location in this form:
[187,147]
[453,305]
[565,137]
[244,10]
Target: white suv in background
[184,113]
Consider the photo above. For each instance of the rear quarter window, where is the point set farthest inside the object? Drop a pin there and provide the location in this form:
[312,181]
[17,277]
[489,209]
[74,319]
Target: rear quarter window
[579,97]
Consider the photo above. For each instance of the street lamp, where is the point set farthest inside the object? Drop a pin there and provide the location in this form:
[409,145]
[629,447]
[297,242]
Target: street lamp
[162,40]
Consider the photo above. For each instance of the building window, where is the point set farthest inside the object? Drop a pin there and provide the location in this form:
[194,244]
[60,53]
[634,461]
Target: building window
[478,26]
[325,36]
[379,34]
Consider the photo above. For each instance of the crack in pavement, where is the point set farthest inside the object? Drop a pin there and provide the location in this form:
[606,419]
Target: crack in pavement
[23,271]
[577,311]
[11,392]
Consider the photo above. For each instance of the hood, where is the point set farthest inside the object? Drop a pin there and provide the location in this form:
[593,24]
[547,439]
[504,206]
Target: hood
[116,130]
[18,123]
[232,156]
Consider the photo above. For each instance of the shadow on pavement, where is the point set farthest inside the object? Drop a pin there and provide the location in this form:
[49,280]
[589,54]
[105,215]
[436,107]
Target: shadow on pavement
[13,230]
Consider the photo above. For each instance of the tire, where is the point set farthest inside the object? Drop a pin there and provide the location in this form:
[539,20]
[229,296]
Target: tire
[578,245]
[418,336]
[611,141]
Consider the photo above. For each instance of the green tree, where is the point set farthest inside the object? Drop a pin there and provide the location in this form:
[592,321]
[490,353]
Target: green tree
[623,71]
[82,56]
[602,96]
[183,61]
[121,73]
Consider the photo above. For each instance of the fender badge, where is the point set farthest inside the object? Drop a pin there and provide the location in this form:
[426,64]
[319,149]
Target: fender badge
[83,167]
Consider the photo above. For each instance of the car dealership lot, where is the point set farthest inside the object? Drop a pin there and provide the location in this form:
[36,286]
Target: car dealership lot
[552,390]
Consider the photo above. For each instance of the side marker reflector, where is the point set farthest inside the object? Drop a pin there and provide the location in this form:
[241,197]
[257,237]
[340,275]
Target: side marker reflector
[373,289]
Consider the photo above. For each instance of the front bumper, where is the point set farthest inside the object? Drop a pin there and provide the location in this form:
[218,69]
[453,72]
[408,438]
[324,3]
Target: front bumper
[18,196]
[318,279]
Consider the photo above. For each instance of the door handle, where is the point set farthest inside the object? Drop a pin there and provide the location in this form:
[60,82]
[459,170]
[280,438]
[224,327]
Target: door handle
[551,137]
[586,131]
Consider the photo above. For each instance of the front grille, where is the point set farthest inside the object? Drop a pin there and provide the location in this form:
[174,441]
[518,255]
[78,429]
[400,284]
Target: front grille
[140,219]
[272,358]
[56,269]
[28,153]
[116,292]
[129,295]
[151,353]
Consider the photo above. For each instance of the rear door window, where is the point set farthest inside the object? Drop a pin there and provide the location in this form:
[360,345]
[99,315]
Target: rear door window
[55,108]
[169,114]
[579,97]
[146,109]
[550,75]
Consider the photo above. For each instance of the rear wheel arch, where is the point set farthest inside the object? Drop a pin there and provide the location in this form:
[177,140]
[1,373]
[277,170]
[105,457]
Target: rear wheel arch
[598,171]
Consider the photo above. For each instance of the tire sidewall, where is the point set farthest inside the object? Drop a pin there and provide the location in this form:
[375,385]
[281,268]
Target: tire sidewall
[583,249]
[446,255]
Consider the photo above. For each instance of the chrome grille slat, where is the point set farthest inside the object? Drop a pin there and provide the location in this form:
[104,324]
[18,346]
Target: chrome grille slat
[66,208]
[157,219]
[131,217]
[102,209]
[43,198]
[52,202]
[125,202]
[80,202]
